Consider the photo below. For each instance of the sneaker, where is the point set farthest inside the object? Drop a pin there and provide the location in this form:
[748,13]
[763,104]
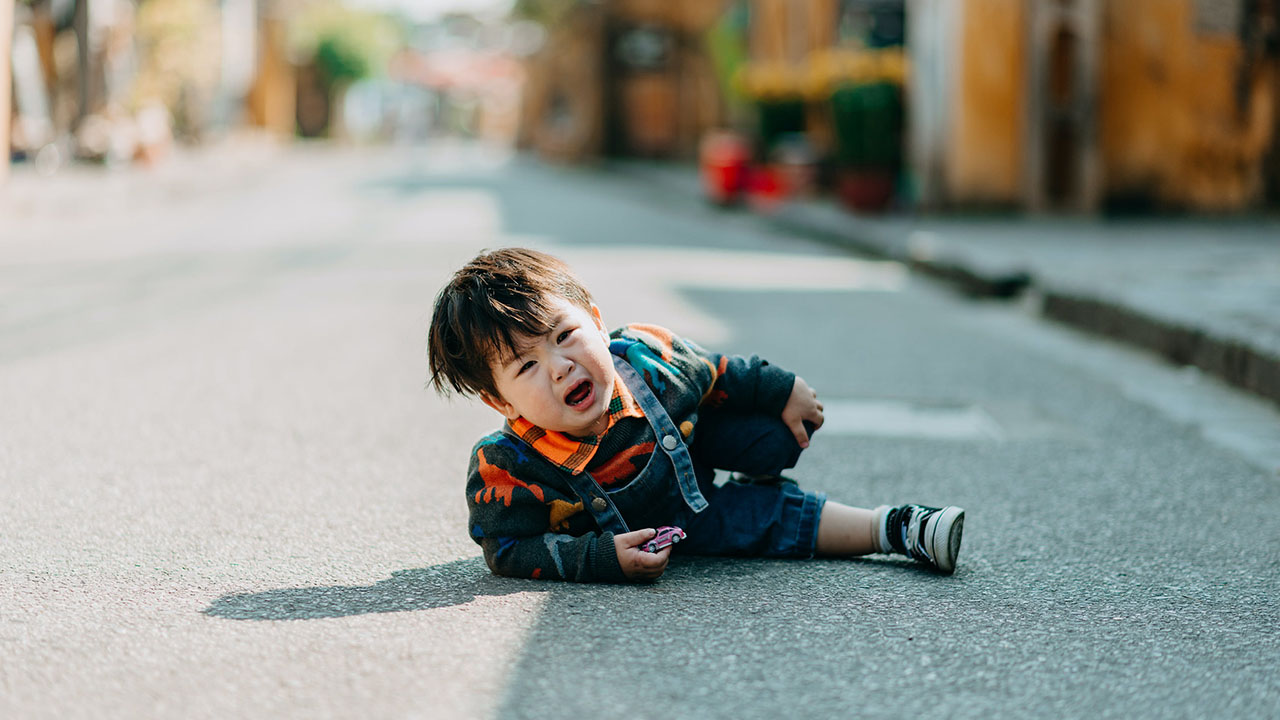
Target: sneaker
[929,535]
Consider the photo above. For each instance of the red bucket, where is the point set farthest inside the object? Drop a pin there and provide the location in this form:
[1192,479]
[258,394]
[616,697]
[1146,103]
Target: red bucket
[723,160]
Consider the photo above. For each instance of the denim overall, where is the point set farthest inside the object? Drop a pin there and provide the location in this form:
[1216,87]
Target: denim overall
[776,520]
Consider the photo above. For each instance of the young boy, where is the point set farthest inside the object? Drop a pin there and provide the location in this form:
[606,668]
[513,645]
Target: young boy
[610,436]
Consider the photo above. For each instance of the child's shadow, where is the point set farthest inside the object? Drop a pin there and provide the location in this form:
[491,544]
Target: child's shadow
[453,583]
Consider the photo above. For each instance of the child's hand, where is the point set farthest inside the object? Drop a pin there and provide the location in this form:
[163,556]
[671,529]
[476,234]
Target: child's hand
[801,406]
[636,563]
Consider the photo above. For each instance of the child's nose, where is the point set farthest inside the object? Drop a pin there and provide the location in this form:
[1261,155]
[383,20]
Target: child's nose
[563,366]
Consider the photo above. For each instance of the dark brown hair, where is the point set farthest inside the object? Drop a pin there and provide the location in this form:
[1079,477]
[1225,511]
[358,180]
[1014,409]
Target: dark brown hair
[487,305]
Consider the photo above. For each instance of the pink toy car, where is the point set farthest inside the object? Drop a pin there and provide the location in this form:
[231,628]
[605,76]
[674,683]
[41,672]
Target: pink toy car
[667,536]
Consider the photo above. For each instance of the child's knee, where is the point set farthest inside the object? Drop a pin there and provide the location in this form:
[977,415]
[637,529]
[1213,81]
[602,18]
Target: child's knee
[750,444]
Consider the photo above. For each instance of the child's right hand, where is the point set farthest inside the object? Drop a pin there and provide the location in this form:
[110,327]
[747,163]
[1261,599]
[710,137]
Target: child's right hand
[636,563]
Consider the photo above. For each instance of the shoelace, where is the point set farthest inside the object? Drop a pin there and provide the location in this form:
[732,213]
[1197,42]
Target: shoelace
[906,526]
[915,532]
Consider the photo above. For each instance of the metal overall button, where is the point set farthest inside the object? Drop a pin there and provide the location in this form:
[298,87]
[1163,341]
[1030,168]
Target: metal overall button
[669,442]
[599,504]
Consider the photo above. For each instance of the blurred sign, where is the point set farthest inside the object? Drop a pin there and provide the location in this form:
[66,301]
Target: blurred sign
[871,23]
[644,48]
[1219,17]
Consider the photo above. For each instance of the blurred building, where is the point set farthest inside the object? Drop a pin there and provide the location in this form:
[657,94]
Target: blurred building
[625,77]
[1069,105]
[6,111]
[120,81]
[456,76]
[1080,104]
[115,81]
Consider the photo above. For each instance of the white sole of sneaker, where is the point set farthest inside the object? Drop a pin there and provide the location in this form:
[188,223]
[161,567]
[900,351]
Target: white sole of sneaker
[944,538]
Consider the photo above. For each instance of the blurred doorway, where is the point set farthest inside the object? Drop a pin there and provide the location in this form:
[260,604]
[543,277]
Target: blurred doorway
[1061,163]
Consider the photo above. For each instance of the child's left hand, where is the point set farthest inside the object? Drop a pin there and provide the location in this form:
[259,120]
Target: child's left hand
[801,406]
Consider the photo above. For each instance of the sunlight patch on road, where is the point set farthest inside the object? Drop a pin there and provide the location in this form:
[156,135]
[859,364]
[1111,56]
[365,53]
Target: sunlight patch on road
[656,277]
[889,418]
[742,270]
[444,216]
[486,639]
[463,158]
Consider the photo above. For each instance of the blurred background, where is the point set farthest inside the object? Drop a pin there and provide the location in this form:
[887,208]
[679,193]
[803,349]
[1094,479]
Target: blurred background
[1067,106]
[222,223]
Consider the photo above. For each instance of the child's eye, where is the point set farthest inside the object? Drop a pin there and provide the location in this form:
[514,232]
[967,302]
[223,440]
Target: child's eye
[564,335]
[528,364]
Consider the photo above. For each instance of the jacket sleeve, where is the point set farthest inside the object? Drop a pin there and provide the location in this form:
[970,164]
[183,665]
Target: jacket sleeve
[729,382]
[510,519]
[551,556]
[748,384]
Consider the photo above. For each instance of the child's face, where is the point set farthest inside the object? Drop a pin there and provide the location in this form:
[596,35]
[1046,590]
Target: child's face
[562,380]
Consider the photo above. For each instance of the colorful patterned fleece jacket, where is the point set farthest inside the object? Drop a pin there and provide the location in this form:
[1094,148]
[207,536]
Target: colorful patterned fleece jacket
[527,518]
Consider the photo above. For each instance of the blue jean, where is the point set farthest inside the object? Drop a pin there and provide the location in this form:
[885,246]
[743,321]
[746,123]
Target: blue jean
[769,519]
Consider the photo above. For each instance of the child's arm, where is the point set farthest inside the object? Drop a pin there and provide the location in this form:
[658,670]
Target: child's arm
[749,384]
[580,559]
[636,563]
[802,406]
[730,382]
[551,556]
[511,519]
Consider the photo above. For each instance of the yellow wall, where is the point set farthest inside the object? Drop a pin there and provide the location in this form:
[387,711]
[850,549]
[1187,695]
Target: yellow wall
[984,163]
[1169,124]
[272,98]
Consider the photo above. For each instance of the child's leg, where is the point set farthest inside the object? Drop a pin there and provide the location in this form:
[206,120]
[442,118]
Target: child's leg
[746,519]
[763,446]
[755,445]
[844,530]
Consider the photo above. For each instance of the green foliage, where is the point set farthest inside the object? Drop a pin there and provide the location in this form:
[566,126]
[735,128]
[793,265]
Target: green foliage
[341,60]
[545,12]
[347,45]
[726,43]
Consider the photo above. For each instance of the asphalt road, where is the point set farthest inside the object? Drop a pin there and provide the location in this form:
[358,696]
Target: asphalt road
[226,492]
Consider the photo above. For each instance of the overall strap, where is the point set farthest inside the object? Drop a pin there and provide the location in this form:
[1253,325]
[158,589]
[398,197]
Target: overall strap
[666,434]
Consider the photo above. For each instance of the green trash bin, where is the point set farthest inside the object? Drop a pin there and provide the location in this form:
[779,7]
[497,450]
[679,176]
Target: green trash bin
[868,121]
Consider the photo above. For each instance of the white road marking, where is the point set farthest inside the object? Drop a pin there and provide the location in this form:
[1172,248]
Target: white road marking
[890,418]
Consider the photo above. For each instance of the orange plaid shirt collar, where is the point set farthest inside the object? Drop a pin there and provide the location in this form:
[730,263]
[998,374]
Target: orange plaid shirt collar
[574,454]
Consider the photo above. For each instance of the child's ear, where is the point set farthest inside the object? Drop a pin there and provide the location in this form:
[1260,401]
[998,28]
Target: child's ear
[503,407]
[595,314]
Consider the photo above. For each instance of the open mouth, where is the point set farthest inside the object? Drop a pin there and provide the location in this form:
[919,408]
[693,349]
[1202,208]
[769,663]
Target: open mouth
[579,394]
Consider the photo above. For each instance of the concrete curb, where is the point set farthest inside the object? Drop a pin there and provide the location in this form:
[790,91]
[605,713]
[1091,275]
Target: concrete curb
[1235,361]
[1238,361]
[814,222]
